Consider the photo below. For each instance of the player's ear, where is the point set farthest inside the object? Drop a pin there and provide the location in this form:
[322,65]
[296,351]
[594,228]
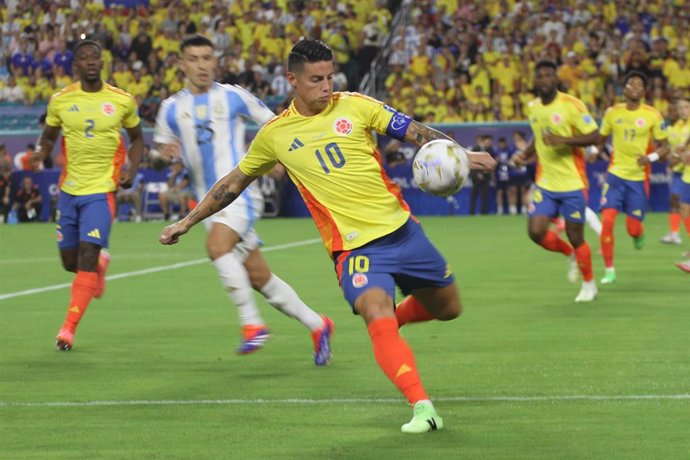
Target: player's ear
[291,78]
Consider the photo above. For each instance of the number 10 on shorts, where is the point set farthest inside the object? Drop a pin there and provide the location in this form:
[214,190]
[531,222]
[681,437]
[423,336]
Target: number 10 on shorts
[359,264]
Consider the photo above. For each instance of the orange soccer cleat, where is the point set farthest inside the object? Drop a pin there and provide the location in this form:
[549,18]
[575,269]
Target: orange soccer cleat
[322,342]
[253,338]
[64,339]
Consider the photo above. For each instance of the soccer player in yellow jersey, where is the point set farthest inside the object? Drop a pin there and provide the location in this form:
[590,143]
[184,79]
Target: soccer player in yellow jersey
[91,115]
[678,135]
[561,124]
[633,126]
[324,141]
[682,156]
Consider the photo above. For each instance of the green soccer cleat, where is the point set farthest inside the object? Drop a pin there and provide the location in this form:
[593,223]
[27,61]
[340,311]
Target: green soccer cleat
[638,242]
[609,276]
[424,419]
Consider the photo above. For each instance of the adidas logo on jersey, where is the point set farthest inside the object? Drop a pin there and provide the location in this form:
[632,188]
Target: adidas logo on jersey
[576,215]
[94,234]
[74,108]
[295,145]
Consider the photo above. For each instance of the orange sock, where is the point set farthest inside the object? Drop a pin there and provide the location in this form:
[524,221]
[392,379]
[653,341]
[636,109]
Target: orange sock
[552,242]
[687,225]
[608,220]
[411,310]
[584,260]
[395,358]
[634,226]
[83,289]
[674,220]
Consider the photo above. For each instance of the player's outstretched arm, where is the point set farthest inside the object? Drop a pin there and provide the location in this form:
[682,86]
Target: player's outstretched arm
[134,153]
[420,134]
[224,192]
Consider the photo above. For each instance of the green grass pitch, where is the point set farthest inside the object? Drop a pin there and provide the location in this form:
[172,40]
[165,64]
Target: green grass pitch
[524,373]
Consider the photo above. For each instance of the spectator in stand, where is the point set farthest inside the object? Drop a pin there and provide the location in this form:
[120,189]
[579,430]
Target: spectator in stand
[132,195]
[27,201]
[179,192]
[481,180]
[12,92]
[5,186]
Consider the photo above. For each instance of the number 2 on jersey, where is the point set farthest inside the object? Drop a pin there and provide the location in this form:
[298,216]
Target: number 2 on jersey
[335,157]
[90,123]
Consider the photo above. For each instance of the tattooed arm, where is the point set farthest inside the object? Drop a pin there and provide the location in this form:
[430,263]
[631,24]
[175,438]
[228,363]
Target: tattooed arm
[224,192]
[420,134]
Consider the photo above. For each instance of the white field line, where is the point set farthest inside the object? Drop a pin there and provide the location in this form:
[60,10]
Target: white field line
[228,402]
[146,271]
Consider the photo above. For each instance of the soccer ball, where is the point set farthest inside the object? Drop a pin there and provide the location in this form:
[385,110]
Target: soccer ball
[441,167]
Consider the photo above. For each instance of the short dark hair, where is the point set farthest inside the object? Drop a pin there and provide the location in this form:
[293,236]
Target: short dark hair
[635,73]
[545,64]
[195,40]
[84,43]
[308,50]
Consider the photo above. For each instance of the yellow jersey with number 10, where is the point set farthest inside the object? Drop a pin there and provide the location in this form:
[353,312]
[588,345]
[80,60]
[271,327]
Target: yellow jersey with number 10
[332,159]
[560,168]
[632,132]
[92,134]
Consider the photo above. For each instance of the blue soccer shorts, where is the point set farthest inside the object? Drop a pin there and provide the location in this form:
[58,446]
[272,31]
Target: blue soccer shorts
[570,205]
[405,258]
[85,218]
[685,193]
[623,195]
[676,186]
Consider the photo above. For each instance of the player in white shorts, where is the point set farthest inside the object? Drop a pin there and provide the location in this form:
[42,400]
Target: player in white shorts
[203,126]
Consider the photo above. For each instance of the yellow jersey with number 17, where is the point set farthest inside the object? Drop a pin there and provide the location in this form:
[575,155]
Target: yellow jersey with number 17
[332,159]
[560,168]
[92,134]
[632,132]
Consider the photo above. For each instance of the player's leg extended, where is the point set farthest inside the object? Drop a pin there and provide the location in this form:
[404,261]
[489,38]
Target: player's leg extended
[87,220]
[541,210]
[674,217]
[284,299]
[636,199]
[220,242]
[395,357]
[572,207]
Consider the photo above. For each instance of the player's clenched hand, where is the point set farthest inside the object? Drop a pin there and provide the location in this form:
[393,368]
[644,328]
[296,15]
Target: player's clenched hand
[643,160]
[481,160]
[127,177]
[551,139]
[169,152]
[172,233]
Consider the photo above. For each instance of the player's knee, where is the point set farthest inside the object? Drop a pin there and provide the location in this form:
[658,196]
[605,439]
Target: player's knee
[70,265]
[536,235]
[216,249]
[452,311]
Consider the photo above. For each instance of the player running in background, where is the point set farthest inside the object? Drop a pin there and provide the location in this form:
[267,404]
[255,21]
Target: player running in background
[682,155]
[633,125]
[324,141]
[91,114]
[560,124]
[678,134]
[206,118]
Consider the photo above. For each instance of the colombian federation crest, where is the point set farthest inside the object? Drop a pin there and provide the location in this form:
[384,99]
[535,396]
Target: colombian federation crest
[108,108]
[640,122]
[360,280]
[556,118]
[342,126]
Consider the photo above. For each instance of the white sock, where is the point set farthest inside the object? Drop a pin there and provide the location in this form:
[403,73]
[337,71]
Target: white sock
[593,220]
[236,282]
[279,294]
[513,210]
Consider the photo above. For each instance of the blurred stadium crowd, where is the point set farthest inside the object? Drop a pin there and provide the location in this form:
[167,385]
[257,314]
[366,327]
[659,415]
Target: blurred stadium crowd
[441,60]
